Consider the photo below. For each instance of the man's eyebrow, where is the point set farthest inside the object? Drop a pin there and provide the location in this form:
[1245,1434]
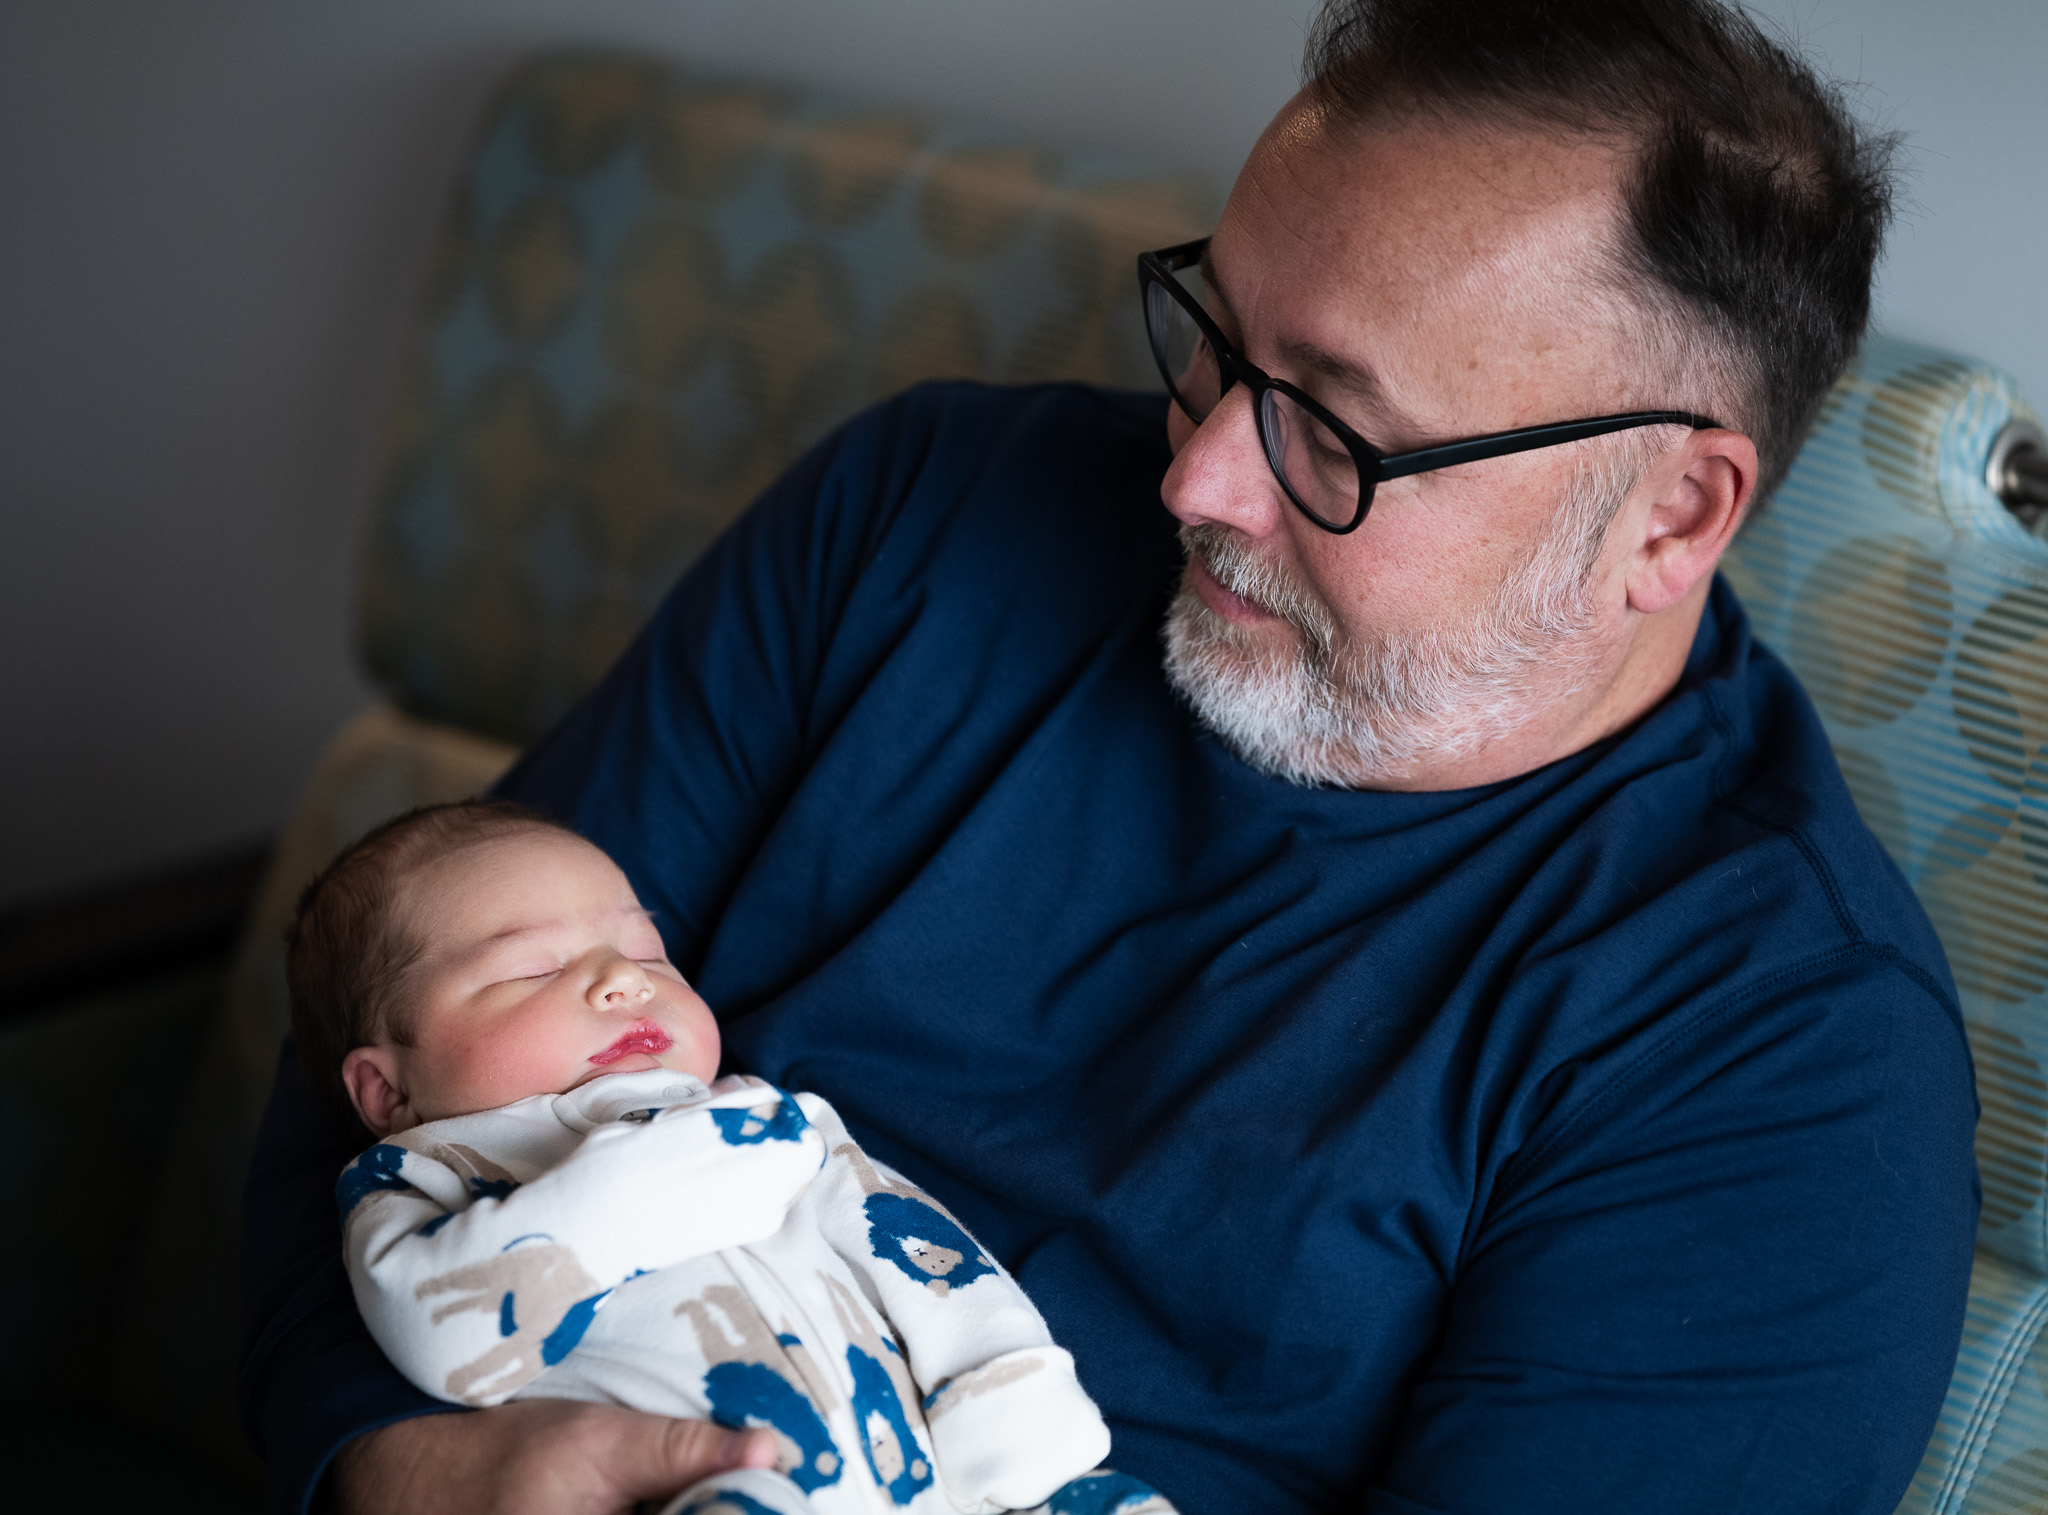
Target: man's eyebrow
[1349,374]
[1353,376]
[1207,265]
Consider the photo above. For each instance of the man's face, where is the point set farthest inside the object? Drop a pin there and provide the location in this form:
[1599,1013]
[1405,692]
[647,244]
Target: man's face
[1424,285]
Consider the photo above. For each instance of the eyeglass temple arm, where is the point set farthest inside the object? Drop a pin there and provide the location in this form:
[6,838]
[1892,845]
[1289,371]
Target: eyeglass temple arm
[1500,443]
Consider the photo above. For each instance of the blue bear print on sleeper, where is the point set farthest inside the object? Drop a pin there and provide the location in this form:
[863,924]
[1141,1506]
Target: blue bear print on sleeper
[379,1168]
[892,1451]
[745,1394]
[376,1169]
[747,1128]
[561,1341]
[928,1247]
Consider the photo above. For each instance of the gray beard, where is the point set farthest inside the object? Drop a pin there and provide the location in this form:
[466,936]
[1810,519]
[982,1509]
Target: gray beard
[1350,713]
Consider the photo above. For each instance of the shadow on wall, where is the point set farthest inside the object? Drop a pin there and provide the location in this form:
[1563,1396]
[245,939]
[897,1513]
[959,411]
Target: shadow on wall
[105,1002]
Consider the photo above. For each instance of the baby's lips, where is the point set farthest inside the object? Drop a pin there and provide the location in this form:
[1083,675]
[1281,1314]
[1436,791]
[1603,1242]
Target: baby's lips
[644,1036]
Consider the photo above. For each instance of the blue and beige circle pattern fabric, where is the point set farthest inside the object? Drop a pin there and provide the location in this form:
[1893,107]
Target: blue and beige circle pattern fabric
[1915,609]
[654,290]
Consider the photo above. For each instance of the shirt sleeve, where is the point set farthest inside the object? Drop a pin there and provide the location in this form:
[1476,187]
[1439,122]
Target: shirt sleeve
[311,1379]
[1732,1280]
[475,1297]
[1009,1421]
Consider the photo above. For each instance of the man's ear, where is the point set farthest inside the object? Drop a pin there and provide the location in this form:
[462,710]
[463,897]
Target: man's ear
[1698,494]
[370,1074]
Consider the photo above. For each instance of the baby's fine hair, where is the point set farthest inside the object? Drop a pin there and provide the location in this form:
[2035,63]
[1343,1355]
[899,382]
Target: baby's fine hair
[347,950]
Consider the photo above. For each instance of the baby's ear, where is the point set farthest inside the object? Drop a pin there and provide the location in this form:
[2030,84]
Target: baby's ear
[370,1074]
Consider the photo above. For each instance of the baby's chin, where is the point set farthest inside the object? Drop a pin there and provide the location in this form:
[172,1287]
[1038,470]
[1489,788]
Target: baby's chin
[632,1062]
[675,1061]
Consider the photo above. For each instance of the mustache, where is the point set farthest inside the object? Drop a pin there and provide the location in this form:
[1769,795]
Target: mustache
[1266,583]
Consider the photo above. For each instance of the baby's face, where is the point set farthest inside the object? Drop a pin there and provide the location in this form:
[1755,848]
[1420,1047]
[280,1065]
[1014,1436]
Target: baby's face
[540,972]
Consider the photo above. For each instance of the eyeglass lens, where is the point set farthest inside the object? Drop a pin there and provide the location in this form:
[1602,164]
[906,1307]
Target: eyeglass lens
[1310,459]
[1183,352]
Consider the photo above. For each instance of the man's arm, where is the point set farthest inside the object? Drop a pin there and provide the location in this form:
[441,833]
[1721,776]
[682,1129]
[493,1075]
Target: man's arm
[1734,1281]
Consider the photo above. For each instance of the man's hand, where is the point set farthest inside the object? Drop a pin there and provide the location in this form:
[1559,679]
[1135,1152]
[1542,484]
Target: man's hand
[536,1457]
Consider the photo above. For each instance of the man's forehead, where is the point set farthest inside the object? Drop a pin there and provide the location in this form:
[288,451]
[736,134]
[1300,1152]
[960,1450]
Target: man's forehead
[1441,242]
[1389,193]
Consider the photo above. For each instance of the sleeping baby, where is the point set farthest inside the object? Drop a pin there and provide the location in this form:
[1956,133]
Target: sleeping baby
[562,1202]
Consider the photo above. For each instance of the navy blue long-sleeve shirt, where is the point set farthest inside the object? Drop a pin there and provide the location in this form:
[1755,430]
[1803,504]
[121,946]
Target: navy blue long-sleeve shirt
[1594,1140]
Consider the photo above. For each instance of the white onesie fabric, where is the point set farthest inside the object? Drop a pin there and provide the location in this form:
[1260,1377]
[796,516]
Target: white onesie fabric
[727,1253]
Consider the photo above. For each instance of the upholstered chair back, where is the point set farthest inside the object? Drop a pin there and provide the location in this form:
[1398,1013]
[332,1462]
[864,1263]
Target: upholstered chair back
[654,290]
[1914,606]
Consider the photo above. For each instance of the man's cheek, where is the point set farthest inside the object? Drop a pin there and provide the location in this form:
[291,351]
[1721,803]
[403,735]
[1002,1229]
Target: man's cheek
[1393,580]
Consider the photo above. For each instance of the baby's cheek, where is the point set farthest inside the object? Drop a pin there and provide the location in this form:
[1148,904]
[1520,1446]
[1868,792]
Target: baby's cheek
[697,1048]
[516,1062]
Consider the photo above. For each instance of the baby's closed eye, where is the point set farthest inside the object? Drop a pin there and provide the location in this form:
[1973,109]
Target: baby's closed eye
[525,971]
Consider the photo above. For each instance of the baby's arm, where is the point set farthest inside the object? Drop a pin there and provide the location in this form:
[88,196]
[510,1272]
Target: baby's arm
[1010,1423]
[472,1290]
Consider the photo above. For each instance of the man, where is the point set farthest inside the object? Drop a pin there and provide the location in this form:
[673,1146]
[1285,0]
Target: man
[1442,1043]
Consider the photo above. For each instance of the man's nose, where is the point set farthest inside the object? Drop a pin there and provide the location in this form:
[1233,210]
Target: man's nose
[1220,474]
[620,984]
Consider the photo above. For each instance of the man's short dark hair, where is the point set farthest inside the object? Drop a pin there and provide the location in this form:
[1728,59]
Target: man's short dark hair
[347,949]
[1756,205]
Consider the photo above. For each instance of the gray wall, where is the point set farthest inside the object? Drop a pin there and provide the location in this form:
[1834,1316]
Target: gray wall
[215,213]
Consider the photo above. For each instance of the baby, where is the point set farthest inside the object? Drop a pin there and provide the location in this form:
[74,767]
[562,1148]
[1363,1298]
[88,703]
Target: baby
[563,1203]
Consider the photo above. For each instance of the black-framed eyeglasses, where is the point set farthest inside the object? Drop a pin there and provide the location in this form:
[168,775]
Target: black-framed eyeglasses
[1328,470]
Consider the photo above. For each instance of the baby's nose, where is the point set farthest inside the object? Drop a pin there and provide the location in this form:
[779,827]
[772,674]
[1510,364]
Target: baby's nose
[625,984]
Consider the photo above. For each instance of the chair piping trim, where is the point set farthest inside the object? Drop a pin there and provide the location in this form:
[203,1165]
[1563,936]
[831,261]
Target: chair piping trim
[1976,1436]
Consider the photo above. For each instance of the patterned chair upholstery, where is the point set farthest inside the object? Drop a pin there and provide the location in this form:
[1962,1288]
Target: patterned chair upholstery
[1915,608]
[655,288]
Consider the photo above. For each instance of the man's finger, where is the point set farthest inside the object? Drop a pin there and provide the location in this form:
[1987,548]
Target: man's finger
[658,1456]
